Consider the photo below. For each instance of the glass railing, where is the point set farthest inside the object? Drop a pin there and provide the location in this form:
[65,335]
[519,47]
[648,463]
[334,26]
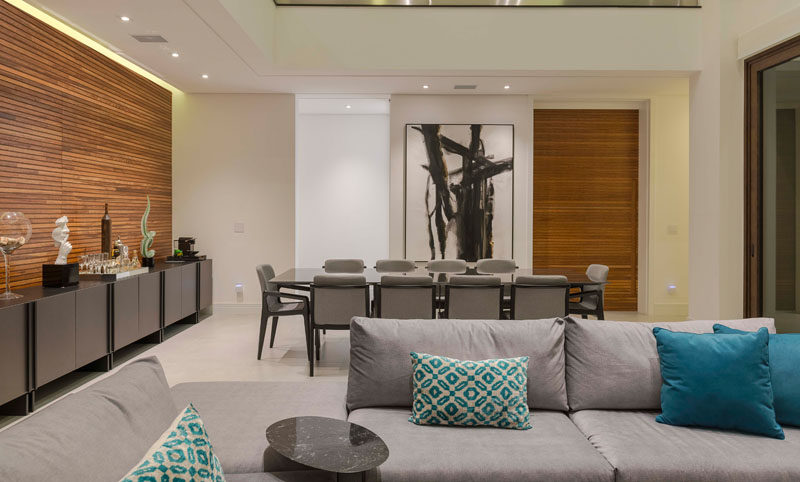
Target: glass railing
[492,3]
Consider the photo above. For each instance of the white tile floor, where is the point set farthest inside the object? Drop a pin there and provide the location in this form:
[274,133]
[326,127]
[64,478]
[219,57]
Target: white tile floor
[223,347]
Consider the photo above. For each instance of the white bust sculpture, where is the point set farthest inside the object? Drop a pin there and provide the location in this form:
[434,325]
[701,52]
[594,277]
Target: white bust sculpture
[60,235]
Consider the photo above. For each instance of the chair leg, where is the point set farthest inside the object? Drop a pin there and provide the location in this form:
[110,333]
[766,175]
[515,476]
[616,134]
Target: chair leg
[324,331]
[261,333]
[317,341]
[274,328]
[309,341]
[601,315]
[310,354]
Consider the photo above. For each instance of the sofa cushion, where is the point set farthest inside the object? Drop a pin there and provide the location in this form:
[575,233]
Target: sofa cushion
[183,448]
[98,433]
[640,448]
[237,414]
[784,358]
[554,450]
[717,381]
[491,393]
[614,364]
[380,368]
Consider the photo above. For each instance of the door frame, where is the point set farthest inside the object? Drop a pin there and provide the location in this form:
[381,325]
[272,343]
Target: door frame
[753,169]
[643,242]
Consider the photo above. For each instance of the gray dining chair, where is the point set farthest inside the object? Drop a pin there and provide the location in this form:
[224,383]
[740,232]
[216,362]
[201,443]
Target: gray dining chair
[440,269]
[455,266]
[474,297]
[335,299]
[590,298]
[273,305]
[336,266]
[395,266]
[539,297]
[405,298]
[495,266]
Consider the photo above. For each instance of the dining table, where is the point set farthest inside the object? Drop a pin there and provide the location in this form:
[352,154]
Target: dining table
[301,278]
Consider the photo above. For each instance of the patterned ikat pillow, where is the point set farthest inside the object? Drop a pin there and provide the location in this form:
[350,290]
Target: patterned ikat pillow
[492,393]
[183,453]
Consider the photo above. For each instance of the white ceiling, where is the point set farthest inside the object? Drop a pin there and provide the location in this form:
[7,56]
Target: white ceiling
[210,41]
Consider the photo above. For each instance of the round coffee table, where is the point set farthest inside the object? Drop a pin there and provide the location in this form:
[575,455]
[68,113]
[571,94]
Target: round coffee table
[328,444]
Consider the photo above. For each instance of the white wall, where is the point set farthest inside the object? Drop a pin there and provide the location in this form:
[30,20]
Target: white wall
[717,144]
[233,162]
[342,187]
[465,109]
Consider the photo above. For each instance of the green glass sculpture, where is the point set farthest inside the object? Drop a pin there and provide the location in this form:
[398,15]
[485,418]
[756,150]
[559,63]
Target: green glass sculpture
[147,236]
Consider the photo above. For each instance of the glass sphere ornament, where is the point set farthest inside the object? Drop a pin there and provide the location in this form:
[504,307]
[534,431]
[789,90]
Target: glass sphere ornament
[15,231]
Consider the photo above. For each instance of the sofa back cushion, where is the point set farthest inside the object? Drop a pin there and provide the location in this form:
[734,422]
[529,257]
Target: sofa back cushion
[380,363]
[614,365]
[97,434]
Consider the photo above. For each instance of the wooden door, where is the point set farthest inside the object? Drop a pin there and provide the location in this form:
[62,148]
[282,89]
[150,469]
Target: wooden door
[585,195]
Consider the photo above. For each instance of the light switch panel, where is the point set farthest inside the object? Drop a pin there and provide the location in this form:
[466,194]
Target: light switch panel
[238,227]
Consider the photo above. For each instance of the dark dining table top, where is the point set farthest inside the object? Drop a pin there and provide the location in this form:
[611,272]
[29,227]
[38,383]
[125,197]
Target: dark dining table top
[304,276]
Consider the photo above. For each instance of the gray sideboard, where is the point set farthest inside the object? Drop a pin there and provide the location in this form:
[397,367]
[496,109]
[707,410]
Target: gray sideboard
[51,332]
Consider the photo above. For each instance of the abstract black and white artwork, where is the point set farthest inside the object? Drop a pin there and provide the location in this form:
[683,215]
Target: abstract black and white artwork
[459,191]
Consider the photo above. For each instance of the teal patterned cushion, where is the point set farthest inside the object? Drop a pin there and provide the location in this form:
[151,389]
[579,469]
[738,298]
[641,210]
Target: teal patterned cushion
[491,393]
[182,454]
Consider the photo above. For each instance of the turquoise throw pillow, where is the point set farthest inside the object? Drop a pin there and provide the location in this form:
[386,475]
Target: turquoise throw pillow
[183,453]
[491,393]
[717,381]
[784,360]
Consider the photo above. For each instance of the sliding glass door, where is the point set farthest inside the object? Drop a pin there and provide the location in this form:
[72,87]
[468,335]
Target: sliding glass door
[772,218]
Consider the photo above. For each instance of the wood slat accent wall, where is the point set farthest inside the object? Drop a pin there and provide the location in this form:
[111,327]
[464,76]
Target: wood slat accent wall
[78,130]
[585,195]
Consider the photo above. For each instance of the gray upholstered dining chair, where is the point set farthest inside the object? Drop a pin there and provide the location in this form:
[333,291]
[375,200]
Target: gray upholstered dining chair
[395,266]
[495,266]
[539,297]
[273,305]
[590,298]
[405,298]
[353,266]
[455,266]
[335,299]
[474,297]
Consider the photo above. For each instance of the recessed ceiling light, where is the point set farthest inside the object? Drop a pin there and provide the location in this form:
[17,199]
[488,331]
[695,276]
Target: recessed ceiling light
[506,87]
[125,19]
[425,86]
[205,76]
[348,106]
[176,54]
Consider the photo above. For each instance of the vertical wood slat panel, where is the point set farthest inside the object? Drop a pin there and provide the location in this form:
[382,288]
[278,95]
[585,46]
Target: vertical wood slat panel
[585,196]
[78,130]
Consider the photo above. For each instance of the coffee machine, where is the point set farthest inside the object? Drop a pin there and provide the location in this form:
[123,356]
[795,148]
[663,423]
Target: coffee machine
[185,245]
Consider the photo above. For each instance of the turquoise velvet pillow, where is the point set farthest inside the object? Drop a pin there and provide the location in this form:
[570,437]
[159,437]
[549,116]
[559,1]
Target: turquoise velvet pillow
[491,393]
[784,360]
[717,381]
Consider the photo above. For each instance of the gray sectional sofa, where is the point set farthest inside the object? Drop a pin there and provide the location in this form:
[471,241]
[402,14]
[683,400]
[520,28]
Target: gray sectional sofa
[593,388]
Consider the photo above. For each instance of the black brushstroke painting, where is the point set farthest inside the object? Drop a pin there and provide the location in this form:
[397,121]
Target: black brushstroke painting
[460,199]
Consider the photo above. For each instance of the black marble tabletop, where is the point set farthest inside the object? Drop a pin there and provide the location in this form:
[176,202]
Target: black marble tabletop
[327,444]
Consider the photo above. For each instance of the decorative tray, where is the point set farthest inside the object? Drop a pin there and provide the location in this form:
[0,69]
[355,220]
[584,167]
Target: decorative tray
[114,276]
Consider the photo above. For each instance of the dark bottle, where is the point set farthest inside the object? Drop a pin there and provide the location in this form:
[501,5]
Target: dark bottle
[105,246]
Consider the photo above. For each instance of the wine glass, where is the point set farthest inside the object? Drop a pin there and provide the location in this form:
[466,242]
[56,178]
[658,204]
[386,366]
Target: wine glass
[15,231]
